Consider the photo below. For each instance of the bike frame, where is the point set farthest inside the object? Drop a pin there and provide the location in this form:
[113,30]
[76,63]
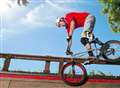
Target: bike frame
[95,41]
[103,48]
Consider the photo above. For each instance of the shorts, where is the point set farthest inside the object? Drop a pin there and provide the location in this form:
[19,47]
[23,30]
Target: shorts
[89,24]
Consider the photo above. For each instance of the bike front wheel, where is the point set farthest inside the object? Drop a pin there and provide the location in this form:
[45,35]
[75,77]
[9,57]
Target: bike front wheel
[74,74]
[111,51]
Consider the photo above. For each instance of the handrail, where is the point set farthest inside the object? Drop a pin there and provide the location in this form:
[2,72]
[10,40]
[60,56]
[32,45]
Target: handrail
[47,59]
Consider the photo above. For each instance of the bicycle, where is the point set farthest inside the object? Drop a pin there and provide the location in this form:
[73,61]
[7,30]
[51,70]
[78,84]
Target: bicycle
[75,74]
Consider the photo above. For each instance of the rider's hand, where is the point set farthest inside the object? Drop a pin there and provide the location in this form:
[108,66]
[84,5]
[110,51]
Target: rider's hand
[69,52]
[69,38]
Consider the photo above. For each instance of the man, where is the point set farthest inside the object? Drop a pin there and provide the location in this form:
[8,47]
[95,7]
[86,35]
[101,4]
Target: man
[74,20]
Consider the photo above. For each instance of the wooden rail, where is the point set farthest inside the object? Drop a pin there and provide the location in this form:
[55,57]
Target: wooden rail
[47,60]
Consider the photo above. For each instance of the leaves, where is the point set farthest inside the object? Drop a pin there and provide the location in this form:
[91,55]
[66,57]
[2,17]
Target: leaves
[22,2]
[112,9]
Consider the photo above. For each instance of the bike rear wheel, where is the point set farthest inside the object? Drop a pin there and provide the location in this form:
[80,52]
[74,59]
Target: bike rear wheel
[74,74]
[111,51]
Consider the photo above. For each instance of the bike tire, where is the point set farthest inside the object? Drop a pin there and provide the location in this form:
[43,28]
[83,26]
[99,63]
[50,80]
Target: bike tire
[84,76]
[107,46]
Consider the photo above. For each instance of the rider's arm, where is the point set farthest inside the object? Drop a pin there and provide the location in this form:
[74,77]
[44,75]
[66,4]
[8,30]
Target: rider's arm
[72,27]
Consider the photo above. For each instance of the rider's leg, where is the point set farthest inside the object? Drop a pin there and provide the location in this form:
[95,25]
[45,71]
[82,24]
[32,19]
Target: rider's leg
[89,26]
[88,33]
[88,47]
[85,42]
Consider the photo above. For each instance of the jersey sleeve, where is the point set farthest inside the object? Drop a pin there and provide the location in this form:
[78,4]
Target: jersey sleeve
[69,18]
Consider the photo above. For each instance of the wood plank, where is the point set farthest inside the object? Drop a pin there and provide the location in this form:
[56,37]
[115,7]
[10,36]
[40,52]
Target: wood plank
[52,58]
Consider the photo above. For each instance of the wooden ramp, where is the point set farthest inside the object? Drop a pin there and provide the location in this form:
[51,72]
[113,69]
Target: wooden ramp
[8,80]
[47,59]
[19,79]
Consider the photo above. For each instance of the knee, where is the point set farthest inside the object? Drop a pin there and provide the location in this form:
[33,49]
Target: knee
[84,40]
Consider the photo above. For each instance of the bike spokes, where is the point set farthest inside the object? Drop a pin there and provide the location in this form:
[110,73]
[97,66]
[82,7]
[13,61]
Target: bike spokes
[112,53]
[73,74]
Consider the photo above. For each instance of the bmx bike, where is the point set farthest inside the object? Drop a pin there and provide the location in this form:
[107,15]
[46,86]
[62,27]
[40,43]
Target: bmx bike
[75,74]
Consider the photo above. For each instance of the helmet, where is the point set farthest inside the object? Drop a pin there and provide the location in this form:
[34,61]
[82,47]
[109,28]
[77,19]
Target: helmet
[58,20]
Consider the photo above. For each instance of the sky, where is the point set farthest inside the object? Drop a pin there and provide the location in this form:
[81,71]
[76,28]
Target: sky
[31,30]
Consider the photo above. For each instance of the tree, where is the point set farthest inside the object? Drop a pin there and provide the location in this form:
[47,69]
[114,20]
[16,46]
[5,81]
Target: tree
[22,2]
[112,9]
[92,72]
[101,73]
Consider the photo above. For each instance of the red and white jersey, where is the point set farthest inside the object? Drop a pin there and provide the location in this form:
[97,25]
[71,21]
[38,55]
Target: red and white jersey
[78,17]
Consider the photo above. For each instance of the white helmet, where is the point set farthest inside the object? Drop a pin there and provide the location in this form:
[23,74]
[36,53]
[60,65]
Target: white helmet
[58,20]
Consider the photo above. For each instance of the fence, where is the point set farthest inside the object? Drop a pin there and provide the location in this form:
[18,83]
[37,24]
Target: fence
[47,59]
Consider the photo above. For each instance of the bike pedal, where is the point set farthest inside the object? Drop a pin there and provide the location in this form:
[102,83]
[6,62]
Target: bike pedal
[86,63]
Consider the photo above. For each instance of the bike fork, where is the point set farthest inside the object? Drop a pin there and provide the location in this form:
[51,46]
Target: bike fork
[97,55]
[73,68]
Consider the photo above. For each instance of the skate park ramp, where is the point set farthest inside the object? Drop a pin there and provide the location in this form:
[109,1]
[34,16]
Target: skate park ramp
[35,81]
[18,79]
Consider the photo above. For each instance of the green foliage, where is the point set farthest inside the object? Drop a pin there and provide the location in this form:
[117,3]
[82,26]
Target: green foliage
[112,9]
[110,74]
[101,73]
[92,73]
[22,2]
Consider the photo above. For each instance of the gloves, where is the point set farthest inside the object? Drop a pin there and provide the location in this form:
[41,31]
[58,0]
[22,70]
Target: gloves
[68,38]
